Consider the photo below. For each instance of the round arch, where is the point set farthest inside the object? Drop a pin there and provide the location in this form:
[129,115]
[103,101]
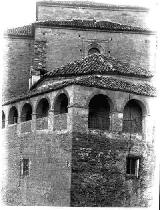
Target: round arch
[3,119]
[26,113]
[110,100]
[42,108]
[93,50]
[140,103]
[61,103]
[132,116]
[13,115]
[95,45]
[99,112]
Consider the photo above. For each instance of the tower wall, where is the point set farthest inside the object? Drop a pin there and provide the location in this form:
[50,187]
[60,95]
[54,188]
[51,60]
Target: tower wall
[67,45]
[125,15]
[18,59]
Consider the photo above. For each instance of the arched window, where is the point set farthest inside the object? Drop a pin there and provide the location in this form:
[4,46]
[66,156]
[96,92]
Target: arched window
[132,117]
[93,50]
[13,116]
[42,108]
[99,110]
[26,112]
[3,119]
[61,104]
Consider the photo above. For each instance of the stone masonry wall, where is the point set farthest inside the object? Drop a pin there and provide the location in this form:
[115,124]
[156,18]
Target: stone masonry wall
[125,16]
[18,59]
[99,158]
[48,182]
[99,172]
[66,45]
[77,166]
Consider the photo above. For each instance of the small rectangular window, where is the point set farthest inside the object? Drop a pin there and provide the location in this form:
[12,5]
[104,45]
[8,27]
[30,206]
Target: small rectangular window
[132,166]
[25,167]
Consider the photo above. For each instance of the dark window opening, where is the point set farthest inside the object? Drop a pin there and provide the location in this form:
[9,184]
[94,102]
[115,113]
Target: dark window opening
[3,120]
[61,104]
[132,166]
[26,113]
[99,110]
[132,117]
[42,108]
[25,167]
[93,50]
[13,116]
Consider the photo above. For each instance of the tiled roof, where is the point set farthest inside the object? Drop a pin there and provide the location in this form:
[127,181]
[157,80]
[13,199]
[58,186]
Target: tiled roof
[28,30]
[110,83]
[24,31]
[92,24]
[140,88]
[98,64]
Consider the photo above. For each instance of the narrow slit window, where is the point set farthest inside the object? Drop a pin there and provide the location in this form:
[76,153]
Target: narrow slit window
[25,167]
[132,166]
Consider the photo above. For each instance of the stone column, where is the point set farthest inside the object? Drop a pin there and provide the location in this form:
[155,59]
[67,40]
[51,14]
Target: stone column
[148,128]
[116,122]
[19,125]
[78,118]
[33,125]
[51,119]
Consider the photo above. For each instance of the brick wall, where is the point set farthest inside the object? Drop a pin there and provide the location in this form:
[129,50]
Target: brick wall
[99,172]
[66,45]
[125,16]
[18,59]
[74,166]
[48,182]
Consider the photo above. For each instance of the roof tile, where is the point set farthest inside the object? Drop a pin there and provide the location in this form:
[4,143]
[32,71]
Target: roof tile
[98,64]
[92,24]
[110,83]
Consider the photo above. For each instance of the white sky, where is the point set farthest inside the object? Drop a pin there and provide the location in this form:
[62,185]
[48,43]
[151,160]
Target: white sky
[20,12]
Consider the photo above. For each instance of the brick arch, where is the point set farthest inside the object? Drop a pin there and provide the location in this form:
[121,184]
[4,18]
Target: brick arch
[26,111]
[141,103]
[95,45]
[57,95]
[99,113]
[13,115]
[133,116]
[38,100]
[25,102]
[3,119]
[110,100]
[42,114]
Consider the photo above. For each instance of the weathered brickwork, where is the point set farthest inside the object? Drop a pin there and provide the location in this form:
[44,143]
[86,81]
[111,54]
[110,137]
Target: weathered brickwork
[48,182]
[39,62]
[123,16]
[18,60]
[71,165]
[99,171]
[131,48]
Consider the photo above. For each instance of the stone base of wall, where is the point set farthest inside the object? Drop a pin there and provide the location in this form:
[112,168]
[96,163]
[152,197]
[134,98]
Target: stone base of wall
[99,173]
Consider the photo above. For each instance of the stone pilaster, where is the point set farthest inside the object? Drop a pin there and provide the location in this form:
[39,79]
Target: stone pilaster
[50,119]
[78,118]
[116,121]
[33,126]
